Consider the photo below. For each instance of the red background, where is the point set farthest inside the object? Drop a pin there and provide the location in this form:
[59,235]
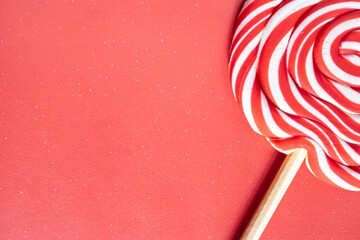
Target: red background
[117,121]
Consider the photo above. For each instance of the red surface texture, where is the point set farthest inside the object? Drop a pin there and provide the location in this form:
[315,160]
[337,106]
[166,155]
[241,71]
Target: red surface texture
[117,121]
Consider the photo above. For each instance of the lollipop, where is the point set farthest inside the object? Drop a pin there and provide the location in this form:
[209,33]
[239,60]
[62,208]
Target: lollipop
[295,69]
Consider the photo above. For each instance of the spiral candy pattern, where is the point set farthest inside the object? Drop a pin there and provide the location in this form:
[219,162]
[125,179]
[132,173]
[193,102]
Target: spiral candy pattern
[295,69]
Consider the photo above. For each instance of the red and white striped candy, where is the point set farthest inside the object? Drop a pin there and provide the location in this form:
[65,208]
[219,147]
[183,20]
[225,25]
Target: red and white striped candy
[295,68]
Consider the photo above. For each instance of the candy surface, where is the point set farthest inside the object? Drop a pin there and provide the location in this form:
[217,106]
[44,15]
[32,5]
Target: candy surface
[295,69]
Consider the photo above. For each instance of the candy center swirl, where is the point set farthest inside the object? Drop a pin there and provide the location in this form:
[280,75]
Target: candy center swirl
[295,69]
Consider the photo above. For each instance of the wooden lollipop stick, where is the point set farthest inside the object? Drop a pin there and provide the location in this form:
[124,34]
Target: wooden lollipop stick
[274,195]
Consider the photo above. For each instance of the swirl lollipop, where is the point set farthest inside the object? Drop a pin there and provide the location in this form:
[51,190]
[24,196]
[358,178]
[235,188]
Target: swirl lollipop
[295,69]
